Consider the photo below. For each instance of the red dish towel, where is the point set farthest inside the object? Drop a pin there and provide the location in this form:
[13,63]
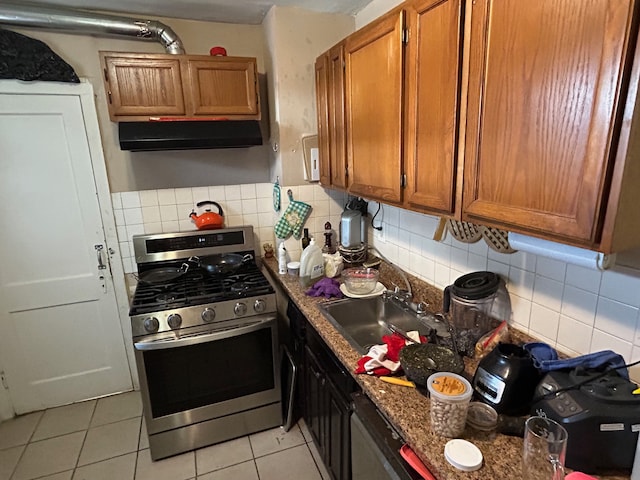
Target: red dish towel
[383,360]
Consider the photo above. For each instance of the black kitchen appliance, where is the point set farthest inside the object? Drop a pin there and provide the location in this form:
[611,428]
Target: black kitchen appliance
[602,417]
[506,379]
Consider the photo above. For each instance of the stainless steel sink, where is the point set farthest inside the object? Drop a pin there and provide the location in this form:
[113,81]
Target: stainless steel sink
[364,321]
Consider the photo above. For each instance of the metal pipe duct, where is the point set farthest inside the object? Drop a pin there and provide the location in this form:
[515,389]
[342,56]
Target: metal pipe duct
[77,21]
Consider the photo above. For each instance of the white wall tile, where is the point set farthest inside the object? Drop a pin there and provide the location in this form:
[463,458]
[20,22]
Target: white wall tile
[130,199]
[391,215]
[547,292]
[604,341]
[579,304]
[167,196]
[477,263]
[186,225]
[442,275]
[151,214]
[132,216]
[250,219]
[134,230]
[479,248]
[459,259]
[544,321]
[574,334]
[306,193]
[152,227]
[523,260]
[184,195]
[583,278]
[521,282]
[551,268]
[621,287]
[233,207]
[501,269]
[184,210]
[148,198]
[248,191]
[264,190]
[320,208]
[232,192]
[215,194]
[442,253]
[616,318]
[521,309]
[168,213]
[122,232]
[249,205]
[404,259]
[116,200]
[118,216]
[170,226]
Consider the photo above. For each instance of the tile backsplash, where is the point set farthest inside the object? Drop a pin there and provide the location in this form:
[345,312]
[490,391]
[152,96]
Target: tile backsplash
[574,309]
[167,210]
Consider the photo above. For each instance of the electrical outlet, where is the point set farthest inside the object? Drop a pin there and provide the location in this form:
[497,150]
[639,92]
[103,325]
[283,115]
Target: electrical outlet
[379,235]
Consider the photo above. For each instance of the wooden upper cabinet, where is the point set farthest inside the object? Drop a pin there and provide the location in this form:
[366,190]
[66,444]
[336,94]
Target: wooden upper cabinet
[546,80]
[330,103]
[374,110]
[226,86]
[322,110]
[142,85]
[337,132]
[433,59]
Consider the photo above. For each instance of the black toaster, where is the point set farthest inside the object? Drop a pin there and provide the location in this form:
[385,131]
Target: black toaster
[602,417]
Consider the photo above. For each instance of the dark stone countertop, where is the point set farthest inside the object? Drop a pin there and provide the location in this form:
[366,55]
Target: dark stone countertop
[407,408]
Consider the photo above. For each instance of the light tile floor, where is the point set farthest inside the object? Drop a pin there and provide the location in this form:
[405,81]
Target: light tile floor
[106,439]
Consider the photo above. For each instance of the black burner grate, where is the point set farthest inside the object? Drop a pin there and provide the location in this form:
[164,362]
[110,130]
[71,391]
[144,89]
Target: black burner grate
[197,287]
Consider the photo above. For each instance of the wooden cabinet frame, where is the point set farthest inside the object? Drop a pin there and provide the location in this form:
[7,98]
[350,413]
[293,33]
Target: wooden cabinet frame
[141,85]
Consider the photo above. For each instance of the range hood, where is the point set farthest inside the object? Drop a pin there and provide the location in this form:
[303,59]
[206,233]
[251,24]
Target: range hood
[189,135]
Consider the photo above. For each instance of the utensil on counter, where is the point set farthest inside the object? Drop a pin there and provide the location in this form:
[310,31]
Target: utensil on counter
[208,220]
[412,459]
[398,381]
[221,264]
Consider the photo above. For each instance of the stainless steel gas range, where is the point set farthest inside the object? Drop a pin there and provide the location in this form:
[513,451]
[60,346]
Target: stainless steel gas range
[206,346]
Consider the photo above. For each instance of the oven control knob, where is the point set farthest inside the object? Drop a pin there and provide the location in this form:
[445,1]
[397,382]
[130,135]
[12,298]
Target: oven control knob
[240,309]
[260,306]
[174,320]
[151,324]
[208,315]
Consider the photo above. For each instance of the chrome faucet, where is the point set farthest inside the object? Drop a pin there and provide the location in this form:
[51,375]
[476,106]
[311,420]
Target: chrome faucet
[397,292]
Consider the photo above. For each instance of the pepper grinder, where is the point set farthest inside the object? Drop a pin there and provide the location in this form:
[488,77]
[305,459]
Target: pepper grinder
[328,247]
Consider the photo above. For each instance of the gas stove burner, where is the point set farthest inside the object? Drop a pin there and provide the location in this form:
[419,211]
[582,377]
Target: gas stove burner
[165,298]
[240,287]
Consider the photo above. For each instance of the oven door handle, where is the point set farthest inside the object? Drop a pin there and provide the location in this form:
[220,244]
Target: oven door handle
[203,338]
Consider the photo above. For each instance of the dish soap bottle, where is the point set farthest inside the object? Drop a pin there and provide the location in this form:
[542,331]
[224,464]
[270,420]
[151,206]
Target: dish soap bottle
[305,239]
[282,259]
[311,264]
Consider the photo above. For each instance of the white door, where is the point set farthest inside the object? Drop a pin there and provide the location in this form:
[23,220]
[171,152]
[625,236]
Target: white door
[60,334]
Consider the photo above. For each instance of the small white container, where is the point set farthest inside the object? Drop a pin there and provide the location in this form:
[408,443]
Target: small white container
[293,268]
[450,395]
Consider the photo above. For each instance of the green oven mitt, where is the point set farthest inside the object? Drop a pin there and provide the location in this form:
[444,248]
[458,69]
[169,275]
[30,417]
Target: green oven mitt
[293,218]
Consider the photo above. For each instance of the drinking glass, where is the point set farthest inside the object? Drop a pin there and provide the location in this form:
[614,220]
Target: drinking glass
[545,446]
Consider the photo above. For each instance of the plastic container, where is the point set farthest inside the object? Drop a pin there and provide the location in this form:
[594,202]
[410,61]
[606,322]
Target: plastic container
[360,281]
[311,264]
[450,395]
[293,268]
[482,417]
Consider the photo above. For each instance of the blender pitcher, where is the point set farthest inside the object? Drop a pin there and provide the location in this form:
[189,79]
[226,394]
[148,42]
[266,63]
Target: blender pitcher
[471,303]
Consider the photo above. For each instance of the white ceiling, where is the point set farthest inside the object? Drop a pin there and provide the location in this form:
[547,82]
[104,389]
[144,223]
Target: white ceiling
[228,11]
